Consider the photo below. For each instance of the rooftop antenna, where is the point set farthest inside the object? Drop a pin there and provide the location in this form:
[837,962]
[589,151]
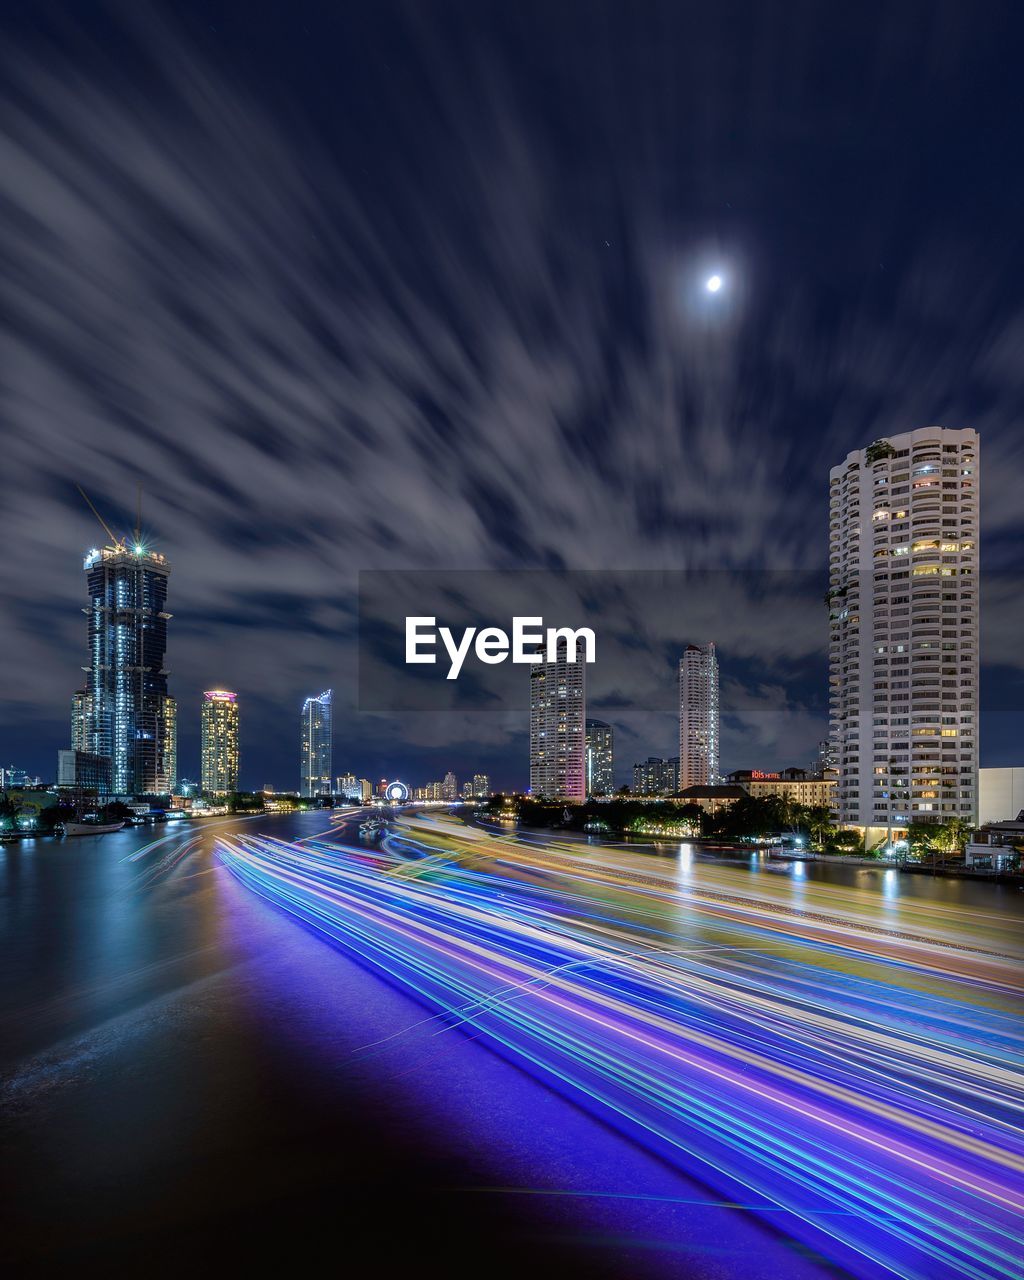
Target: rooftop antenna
[138,515]
[114,542]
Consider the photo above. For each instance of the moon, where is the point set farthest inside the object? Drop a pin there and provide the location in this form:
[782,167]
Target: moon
[713,284]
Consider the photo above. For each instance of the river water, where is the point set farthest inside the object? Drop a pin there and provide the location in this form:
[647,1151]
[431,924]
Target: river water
[189,1075]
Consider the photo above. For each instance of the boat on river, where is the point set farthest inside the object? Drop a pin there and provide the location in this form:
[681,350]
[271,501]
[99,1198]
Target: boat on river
[86,828]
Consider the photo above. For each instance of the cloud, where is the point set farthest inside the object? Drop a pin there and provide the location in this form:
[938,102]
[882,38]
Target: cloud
[434,331]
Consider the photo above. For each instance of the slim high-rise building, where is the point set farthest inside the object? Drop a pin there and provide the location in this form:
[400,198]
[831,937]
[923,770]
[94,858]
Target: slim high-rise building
[698,716]
[126,693]
[903,619]
[600,758]
[170,743]
[558,768]
[825,764]
[316,745]
[220,742]
[450,787]
[81,718]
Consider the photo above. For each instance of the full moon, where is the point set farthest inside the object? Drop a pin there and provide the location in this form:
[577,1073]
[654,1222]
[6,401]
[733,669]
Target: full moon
[713,284]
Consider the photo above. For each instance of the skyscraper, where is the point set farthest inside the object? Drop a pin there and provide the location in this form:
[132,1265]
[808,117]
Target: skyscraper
[557,728]
[316,745]
[600,758]
[126,693]
[450,787]
[903,619]
[220,742]
[170,742]
[481,786]
[825,765]
[698,716]
[81,719]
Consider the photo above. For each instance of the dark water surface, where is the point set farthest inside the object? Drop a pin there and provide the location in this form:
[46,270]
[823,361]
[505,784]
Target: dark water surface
[189,1077]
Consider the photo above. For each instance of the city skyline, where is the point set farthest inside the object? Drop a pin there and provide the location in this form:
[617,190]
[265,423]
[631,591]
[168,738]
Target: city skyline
[138,563]
[132,566]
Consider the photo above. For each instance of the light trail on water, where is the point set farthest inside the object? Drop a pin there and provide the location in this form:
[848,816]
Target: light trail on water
[861,1085]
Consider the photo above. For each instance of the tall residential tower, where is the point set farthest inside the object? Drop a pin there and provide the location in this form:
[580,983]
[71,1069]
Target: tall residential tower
[903,617]
[81,719]
[557,729]
[317,741]
[600,758]
[698,716]
[220,742]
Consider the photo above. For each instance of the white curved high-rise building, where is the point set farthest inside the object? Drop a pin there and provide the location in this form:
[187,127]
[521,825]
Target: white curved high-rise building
[903,617]
[698,716]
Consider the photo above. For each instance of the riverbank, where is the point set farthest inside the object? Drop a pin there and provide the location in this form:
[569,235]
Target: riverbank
[913,868]
[712,847]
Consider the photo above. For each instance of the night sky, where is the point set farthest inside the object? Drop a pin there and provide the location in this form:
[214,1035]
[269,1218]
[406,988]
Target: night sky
[353,286]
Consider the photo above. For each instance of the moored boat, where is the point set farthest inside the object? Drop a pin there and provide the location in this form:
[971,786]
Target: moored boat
[87,828]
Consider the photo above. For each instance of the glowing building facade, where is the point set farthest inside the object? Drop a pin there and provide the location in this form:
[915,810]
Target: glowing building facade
[347,786]
[698,716]
[170,742]
[124,705]
[81,718]
[220,753]
[903,623]
[656,777]
[600,758]
[316,748]
[557,729]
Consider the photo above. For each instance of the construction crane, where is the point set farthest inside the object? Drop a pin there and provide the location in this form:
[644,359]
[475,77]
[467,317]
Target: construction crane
[116,543]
